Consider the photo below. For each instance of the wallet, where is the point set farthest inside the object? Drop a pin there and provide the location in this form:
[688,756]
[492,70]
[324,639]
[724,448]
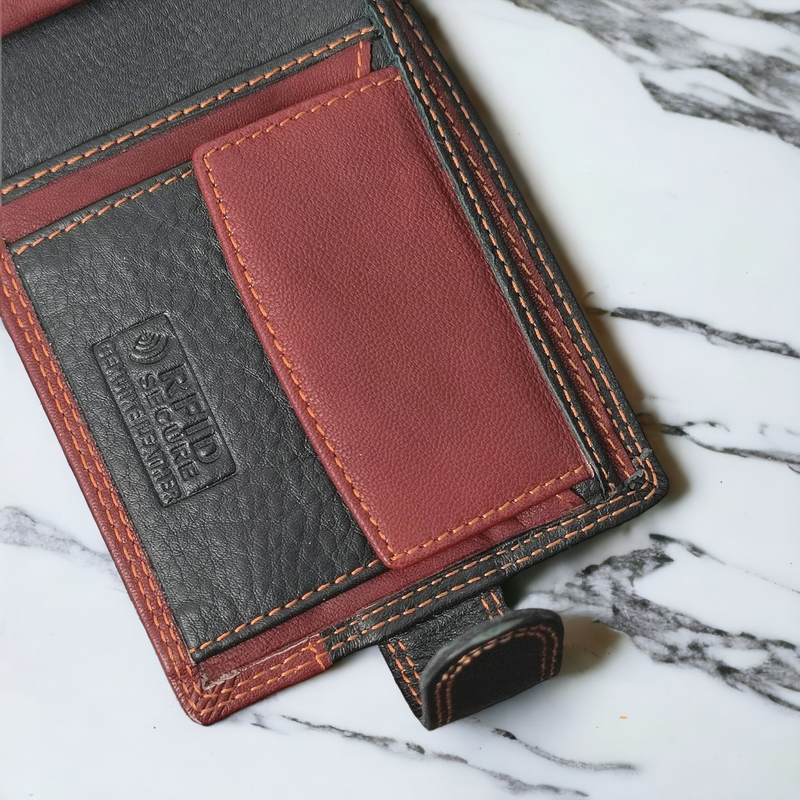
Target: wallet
[312,363]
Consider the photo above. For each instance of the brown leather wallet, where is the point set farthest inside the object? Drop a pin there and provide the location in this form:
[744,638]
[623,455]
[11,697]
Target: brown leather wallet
[315,369]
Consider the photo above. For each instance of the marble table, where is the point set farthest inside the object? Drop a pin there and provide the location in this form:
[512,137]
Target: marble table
[658,142]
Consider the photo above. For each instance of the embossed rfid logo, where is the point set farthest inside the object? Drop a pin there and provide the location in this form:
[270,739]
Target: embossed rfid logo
[164,409]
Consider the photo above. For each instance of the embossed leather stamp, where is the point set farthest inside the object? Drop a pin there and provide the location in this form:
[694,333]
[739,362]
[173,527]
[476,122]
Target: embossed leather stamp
[164,409]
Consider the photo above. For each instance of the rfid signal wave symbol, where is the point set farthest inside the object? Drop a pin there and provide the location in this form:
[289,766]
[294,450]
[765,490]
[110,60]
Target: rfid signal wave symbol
[150,347]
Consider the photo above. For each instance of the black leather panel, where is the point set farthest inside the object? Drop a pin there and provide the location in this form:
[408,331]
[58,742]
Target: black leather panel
[408,655]
[490,663]
[226,547]
[175,115]
[102,63]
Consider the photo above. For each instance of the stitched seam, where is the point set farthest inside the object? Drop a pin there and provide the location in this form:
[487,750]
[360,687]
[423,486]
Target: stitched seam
[494,571]
[193,691]
[455,670]
[403,674]
[589,351]
[485,224]
[542,259]
[101,211]
[512,241]
[358,58]
[82,456]
[469,566]
[277,609]
[500,611]
[654,484]
[306,595]
[288,364]
[486,608]
[195,107]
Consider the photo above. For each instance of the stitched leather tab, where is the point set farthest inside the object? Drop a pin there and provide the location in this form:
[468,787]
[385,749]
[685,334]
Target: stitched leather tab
[376,304]
[472,656]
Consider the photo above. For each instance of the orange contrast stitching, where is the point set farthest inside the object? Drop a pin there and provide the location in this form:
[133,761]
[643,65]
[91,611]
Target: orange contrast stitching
[192,691]
[512,240]
[288,364]
[496,570]
[496,246]
[498,603]
[296,600]
[452,673]
[358,57]
[533,241]
[197,106]
[56,373]
[402,670]
[101,211]
[291,603]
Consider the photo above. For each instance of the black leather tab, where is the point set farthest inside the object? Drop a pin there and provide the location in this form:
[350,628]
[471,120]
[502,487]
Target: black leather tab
[472,656]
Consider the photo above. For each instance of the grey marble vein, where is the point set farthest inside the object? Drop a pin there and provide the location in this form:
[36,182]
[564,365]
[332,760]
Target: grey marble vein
[716,336]
[20,530]
[716,59]
[682,430]
[614,766]
[607,592]
[411,749]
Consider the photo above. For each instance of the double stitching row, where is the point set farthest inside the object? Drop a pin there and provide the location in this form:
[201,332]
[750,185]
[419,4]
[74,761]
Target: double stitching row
[402,671]
[575,323]
[534,243]
[412,685]
[512,239]
[653,482]
[448,678]
[195,107]
[99,213]
[485,224]
[288,364]
[116,516]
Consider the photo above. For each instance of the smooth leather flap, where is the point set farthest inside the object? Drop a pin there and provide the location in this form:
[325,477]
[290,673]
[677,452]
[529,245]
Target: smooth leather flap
[377,307]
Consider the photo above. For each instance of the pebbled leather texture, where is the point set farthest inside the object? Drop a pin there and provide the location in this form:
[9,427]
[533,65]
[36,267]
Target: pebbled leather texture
[102,63]
[228,553]
[383,320]
[222,560]
[166,139]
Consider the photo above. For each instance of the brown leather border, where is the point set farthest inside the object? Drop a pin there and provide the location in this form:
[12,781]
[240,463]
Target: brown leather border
[203,700]
[207,699]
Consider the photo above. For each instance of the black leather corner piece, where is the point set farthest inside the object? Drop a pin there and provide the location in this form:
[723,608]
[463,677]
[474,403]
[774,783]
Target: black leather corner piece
[489,664]
[472,656]
[225,537]
[102,63]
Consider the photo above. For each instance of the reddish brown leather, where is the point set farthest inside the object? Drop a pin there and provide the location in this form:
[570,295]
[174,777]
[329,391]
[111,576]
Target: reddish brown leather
[18,14]
[374,300]
[203,700]
[76,190]
[365,595]
[520,240]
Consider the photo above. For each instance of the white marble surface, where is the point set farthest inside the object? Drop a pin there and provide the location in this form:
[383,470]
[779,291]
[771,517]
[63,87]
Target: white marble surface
[658,144]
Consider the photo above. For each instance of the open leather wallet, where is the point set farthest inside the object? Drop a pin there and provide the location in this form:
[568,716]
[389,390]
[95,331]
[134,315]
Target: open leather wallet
[309,356]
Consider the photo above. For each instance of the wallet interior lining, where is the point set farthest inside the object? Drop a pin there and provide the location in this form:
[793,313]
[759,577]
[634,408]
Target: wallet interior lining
[168,139]
[430,412]
[343,605]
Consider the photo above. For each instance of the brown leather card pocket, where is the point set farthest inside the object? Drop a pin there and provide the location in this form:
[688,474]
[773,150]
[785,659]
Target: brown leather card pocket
[379,310]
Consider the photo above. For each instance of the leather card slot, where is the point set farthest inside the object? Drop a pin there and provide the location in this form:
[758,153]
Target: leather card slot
[167,139]
[375,302]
